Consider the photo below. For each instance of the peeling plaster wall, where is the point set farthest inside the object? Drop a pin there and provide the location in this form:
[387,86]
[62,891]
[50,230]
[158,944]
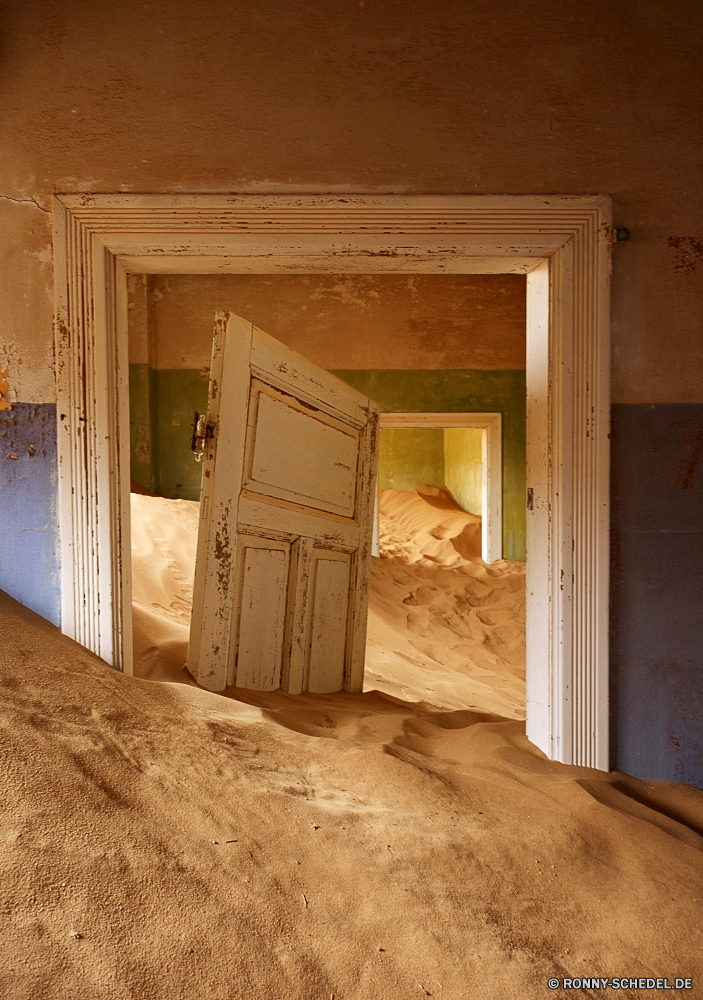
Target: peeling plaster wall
[28,474]
[384,95]
[427,322]
[26,300]
[349,320]
[544,97]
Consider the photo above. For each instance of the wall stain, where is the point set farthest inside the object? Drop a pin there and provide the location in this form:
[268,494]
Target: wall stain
[687,482]
[688,253]
[10,362]
[29,560]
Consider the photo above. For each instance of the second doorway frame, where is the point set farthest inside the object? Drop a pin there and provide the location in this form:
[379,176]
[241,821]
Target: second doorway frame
[491,461]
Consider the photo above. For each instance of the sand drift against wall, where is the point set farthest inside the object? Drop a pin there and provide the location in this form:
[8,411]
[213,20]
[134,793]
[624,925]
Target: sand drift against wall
[444,628]
[164,539]
[160,841]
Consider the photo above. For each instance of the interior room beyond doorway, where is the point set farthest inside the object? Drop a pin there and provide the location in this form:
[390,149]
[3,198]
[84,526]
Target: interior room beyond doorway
[380,325]
[409,457]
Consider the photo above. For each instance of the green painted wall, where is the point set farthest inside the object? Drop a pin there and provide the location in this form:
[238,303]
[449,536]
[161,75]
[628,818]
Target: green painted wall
[463,466]
[400,390]
[409,457]
[162,404]
[141,396]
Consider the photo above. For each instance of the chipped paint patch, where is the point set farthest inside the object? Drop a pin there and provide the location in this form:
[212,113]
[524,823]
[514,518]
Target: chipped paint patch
[4,389]
[10,369]
[28,430]
[349,290]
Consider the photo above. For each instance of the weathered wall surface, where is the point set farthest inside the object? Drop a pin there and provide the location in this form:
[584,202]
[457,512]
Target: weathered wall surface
[337,321]
[349,320]
[656,676]
[409,457]
[163,403]
[405,96]
[556,96]
[28,531]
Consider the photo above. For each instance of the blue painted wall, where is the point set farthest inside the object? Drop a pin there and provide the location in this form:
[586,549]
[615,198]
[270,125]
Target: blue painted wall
[29,558]
[657,591]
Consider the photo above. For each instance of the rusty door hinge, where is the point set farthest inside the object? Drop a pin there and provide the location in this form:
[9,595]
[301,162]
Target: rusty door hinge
[202,430]
[530,499]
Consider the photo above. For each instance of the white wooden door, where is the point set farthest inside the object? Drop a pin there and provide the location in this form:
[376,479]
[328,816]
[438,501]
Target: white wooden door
[284,544]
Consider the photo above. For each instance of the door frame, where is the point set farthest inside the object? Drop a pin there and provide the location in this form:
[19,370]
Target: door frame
[563,245]
[491,425]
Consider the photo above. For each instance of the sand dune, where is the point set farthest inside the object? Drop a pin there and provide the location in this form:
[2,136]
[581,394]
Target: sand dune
[159,841]
[443,627]
[426,526]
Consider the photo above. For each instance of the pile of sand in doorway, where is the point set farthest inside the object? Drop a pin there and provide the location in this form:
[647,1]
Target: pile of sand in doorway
[443,626]
[159,841]
[164,539]
[427,527]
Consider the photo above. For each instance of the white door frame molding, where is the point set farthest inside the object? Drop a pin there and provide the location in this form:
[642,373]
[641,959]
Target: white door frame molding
[491,459]
[563,245]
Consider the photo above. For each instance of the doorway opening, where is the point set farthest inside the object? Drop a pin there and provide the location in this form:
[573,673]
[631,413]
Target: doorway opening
[455,458]
[460,451]
[562,244]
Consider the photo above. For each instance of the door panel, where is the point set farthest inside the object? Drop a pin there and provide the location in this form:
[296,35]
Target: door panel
[284,544]
[258,654]
[280,366]
[328,638]
[300,454]
[294,520]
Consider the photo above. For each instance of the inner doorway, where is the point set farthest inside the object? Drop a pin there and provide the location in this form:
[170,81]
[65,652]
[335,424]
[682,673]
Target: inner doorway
[463,450]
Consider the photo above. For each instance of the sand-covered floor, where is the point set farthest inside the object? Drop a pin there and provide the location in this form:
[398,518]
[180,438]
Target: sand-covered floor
[160,841]
[443,627]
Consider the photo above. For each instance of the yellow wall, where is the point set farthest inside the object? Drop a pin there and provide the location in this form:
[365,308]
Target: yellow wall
[409,457]
[433,456]
[463,466]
